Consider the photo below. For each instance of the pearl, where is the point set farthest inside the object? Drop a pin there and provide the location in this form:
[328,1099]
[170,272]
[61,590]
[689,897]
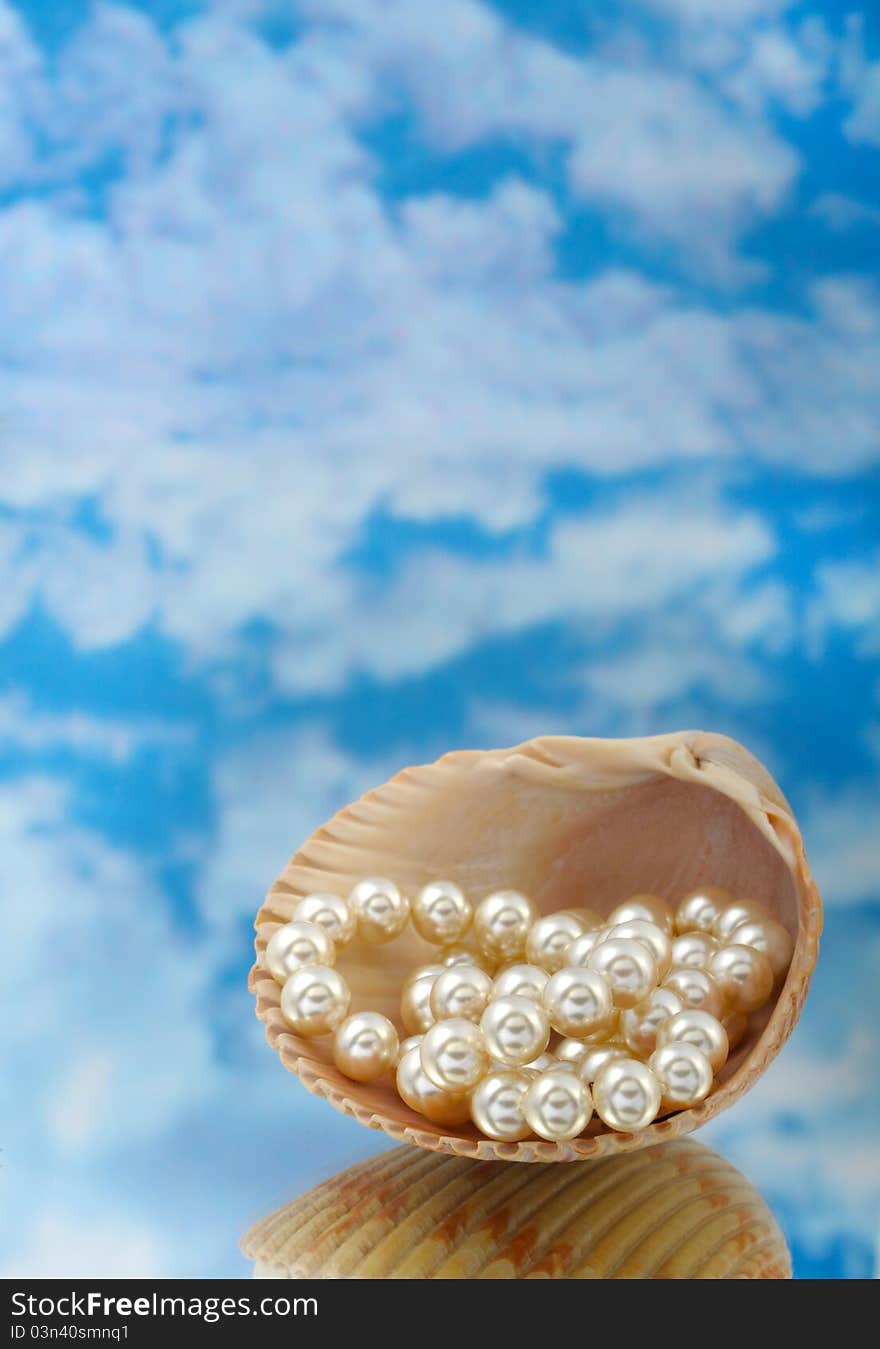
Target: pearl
[594,1059]
[578,1001]
[411,1042]
[588,918]
[557,1105]
[700,909]
[549,938]
[295,945]
[582,947]
[525,981]
[743,975]
[497,1106]
[365,1046]
[515,1029]
[628,967]
[569,1051]
[651,935]
[465,955]
[380,908]
[626,1094]
[694,949]
[415,999]
[768,937]
[740,911]
[684,1074]
[502,922]
[640,1024]
[454,1054]
[538,1065]
[644,909]
[417,1090]
[462,991]
[440,913]
[315,999]
[333,914]
[696,988]
[694,1027]
[736,1026]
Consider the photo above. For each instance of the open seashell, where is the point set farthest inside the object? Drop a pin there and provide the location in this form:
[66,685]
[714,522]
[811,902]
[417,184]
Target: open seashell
[673,1212]
[568,822]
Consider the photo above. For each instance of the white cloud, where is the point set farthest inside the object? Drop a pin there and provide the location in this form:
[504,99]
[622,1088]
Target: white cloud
[840,212]
[842,829]
[27,728]
[72,1246]
[848,597]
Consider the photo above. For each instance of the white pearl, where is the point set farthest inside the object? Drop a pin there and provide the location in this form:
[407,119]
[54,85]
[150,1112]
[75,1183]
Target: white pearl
[642,908]
[365,1046]
[415,999]
[496,1106]
[691,1026]
[578,1001]
[595,1057]
[538,1065]
[628,967]
[411,1042]
[557,1105]
[737,912]
[462,991]
[700,909]
[640,1024]
[768,937]
[694,949]
[465,955]
[549,938]
[626,1094]
[417,1090]
[736,1025]
[502,922]
[315,999]
[525,981]
[651,935]
[380,908]
[696,988]
[569,1051]
[295,945]
[333,914]
[454,1054]
[744,977]
[684,1074]
[515,1029]
[582,947]
[440,913]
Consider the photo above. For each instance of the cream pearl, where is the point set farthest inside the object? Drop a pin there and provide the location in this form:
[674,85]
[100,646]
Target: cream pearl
[463,991]
[515,1029]
[417,1090]
[315,999]
[502,922]
[569,1051]
[557,1105]
[694,1027]
[694,949]
[365,1046]
[454,1054]
[411,1042]
[640,1025]
[736,1025]
[578,1002]
[381,910]
[295,945]
[588,918]
[651,935]
[696,988]
[461,954]
[684,1074]
[540,1064]
[744,977]
[582,947]
[768,937]
[415,999]
[333,914]
[594,1059]
[440,913]
[642,908]
[549,938]
[626,1094]
[737,912]
[525,981]
[497,1105]
[700,909]
[628,967]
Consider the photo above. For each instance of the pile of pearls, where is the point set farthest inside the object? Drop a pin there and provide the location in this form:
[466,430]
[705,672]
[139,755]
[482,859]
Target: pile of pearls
[526,1024]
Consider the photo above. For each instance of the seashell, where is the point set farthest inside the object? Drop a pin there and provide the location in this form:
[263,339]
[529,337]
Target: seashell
[673,1212]
[567,822]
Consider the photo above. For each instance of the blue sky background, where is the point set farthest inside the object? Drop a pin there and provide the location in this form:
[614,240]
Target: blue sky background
[376,381]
